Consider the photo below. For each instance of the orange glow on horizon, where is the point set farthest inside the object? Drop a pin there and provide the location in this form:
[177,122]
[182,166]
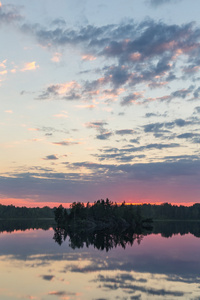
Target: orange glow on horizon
[160,203]
[33,203]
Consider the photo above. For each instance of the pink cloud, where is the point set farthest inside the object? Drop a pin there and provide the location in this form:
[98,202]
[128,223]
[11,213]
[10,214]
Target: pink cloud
[57,57]
[3,72]
[63,114]
[88,57]
[2,64]
[66,143]
[30,66]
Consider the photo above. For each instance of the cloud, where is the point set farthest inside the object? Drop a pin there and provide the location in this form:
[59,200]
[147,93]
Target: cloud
[165,126]
[149,115]
[30,66]
[196,93]
[147,171]
[4,72]
[63,294]
[3,64]
[58,22]
[181,157]
[197,109]
[47,277]
[96,124]
[57,293]
[136,297]
[9,14]
[176,179]
[190,135]
[51,157]
[117,75]
[156,3]
[124,131]
[125,154]
[132,98]
[67,91]
[104,136]
[66,143]
[88,57]
[183,93]
[89,106]
[154,127]
[63,114]
[140,53]
[50,130]
[56,57]
[134,141]
[119,157]
[125,283]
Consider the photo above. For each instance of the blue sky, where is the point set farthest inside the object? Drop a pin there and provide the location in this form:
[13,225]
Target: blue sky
[99,99]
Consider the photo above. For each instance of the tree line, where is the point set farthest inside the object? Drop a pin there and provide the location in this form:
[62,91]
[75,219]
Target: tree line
[102,210]
[167,211]
[12,212]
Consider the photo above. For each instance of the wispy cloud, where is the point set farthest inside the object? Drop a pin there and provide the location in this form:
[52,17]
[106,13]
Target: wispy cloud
[3,64]
[66,143]
[9,14]
[67,91]
[88,57]
[30,66]
[156,3]
[62,114]
[56,57]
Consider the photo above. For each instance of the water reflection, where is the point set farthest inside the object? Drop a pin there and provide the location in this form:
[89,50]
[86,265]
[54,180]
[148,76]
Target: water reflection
[168,229]
[33,266]
[108,239]
[10,225]
[100,239]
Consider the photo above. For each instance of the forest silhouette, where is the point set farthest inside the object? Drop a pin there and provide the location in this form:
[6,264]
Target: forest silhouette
[106,225]
[103,224]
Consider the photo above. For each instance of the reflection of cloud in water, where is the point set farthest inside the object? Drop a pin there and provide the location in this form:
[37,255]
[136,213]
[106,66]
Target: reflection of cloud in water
[185,279]
[158,268]
[124,282]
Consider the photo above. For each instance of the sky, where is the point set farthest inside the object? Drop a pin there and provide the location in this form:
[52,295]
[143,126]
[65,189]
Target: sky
[99,99]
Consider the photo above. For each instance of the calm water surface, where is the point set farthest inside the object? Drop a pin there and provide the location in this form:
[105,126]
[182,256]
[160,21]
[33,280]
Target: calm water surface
[34,266]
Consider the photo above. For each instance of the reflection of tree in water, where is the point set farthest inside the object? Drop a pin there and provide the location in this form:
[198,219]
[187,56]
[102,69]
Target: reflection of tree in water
[107,239]
[11,225]
[100,239]
[168,229]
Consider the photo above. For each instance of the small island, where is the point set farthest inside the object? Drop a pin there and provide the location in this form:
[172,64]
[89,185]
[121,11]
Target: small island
[103,224]
[103,214]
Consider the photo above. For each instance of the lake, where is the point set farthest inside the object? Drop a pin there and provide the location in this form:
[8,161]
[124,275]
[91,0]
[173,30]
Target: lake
[164,264]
